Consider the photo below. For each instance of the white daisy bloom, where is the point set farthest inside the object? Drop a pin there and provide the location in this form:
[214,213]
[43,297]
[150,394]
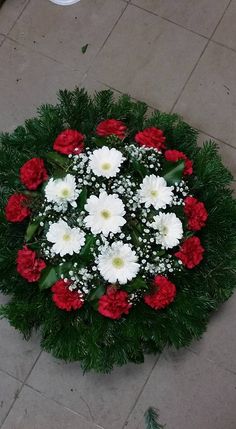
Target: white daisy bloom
[106,162]
[66,240]
[170,229]
[62,191]
[155,192]
[105,213]
[118,263]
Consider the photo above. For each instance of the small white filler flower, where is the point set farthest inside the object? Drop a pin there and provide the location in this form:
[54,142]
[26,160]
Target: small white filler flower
[118,263]
[155,192]
[62,191]
[66,240]
[170,229]
[105,213]
[106,162]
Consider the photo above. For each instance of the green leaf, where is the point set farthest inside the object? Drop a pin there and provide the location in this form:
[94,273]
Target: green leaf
[86,251]
[139,168]
[84,48]
[137,283]
[31,230]
[82,198]
[48,278]
[58,159]
[97,293]
[174,172]
[100,141]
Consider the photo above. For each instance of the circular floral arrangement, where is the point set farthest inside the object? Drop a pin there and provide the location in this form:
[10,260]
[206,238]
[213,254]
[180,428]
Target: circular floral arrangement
[117,232]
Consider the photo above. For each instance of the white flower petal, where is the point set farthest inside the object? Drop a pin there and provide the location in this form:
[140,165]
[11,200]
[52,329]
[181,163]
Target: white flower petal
[105,214]
[155,192]
[170,229]
[62,191]
[66,240]
[118,263]
[106,162]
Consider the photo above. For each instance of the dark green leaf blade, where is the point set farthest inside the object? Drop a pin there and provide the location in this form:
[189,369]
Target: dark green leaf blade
[48,278]
[31,230]
[84,48]
[173,172]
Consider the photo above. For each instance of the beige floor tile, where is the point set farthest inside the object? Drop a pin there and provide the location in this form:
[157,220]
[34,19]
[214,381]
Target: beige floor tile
[148,58]
[190,393]
[201,16]
[208,101]
[9,388]
[61,32]
[17,356]
[32,411]
[106,399]
[218,344]
[9,12]
[226,32]
[27,80]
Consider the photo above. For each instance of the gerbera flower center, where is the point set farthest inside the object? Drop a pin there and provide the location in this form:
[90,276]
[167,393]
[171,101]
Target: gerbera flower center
[164,230]
[65,192]
[106,214]
[154,193]
[106,166]
[118,262]
[66,237]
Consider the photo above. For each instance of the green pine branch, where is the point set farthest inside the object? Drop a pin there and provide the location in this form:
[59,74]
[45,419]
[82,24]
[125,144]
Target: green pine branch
[152,419]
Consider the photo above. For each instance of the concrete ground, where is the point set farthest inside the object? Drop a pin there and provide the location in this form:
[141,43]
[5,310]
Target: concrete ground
[176,55]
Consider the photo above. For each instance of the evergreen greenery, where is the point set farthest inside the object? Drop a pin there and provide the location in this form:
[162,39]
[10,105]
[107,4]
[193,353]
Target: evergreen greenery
[99,342]
[152,419]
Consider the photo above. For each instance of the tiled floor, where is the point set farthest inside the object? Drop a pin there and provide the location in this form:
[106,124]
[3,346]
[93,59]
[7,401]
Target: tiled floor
[177,55]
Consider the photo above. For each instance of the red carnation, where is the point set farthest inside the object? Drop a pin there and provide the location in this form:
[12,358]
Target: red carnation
[114,303]
[176,155]
[28,265]
[33,173]
[191,252]
[151,137]
[69,142]
[111,127]
[163,293]
[16,209]
[196,213]
[64,298]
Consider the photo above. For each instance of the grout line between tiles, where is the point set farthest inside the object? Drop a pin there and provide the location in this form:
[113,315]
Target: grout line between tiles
[168,20]
[217,364]
[222,45]
[20,389]
[18,17]
[140,392]
[106,39]
[29,48]
[215,138]
[62,405]
[10,375]
[194,68]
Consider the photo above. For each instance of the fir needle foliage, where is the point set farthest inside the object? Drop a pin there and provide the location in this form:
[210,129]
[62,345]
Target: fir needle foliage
[99,342]
[152,419]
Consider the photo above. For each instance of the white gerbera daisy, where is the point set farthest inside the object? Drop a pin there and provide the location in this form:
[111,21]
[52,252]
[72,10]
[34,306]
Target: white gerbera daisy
[66,240]
[105,213]
[118,263]
[62,191]
[170,229]
[154,191]
[106,162]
